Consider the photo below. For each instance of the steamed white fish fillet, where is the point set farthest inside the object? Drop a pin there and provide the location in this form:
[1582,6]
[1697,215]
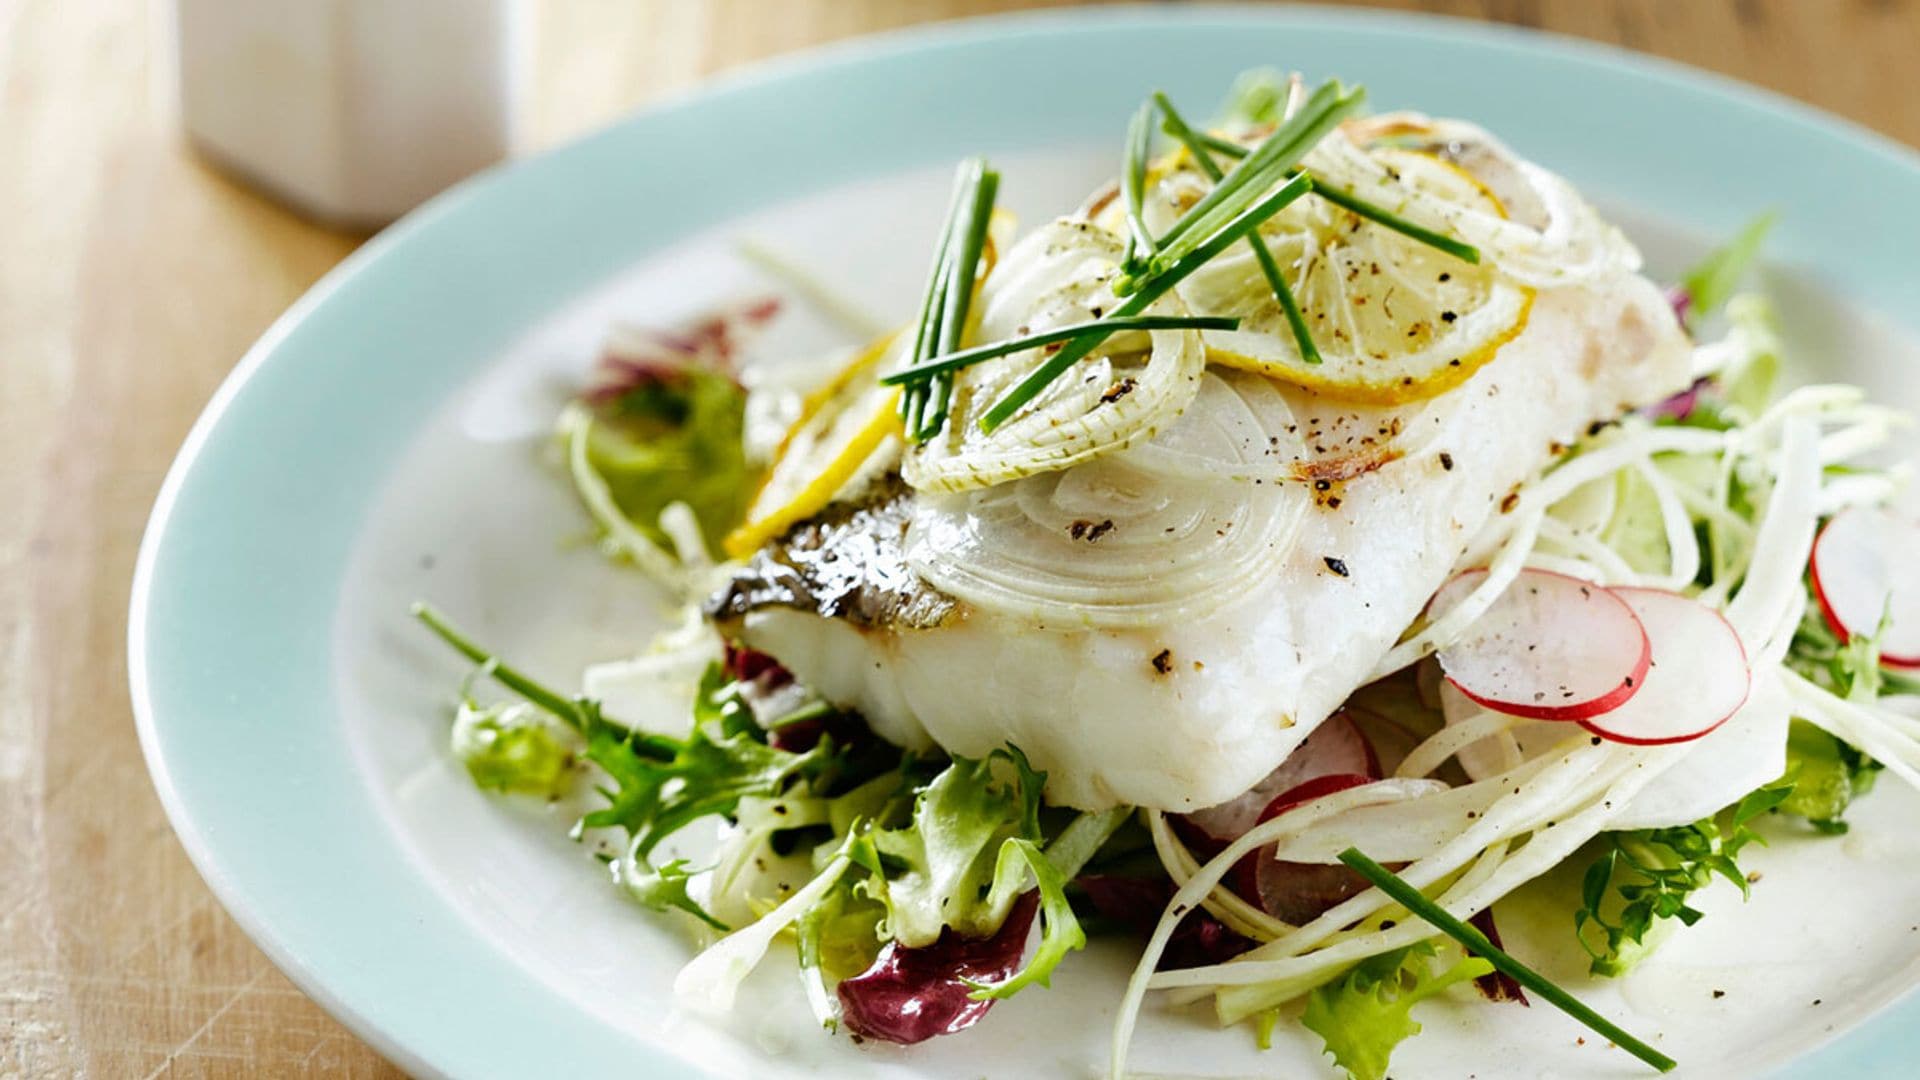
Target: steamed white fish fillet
[1191,713]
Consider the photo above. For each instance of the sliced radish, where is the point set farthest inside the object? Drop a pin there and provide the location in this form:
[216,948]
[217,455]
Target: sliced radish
[1336,746]
[1487,758]
[1298,893]
[1699,675]
[1866,563]
[1552,647]
[1746,752]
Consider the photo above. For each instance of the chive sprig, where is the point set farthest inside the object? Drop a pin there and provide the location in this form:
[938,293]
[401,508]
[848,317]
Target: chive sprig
[946,302]
[954,361]
[1268,164]
[1263,181]
[1177,126]
[1476,943]
[1346,200]
[1133,184]
[1142,297]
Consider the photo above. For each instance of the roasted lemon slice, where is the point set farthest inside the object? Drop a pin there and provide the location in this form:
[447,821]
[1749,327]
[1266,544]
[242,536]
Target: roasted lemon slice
[1394,319]
[842,425]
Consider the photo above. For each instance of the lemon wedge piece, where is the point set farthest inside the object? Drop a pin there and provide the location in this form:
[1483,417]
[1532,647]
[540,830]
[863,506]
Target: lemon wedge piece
[841,426]
[1394,320]
[845,424]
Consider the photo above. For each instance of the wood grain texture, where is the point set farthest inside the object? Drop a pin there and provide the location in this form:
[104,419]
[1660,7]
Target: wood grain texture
[132,277]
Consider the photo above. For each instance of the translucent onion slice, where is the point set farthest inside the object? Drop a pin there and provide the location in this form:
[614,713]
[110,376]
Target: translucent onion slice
[1143,535]
[1551,236]
[1135,386]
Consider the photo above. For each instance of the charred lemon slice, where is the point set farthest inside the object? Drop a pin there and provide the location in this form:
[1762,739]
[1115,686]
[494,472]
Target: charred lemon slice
[1394,319]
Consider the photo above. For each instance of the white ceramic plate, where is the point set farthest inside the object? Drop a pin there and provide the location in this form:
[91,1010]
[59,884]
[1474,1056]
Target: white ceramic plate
[382,446]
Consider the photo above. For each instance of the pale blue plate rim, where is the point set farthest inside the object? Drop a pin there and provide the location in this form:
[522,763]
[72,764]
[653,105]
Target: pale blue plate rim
[237,579]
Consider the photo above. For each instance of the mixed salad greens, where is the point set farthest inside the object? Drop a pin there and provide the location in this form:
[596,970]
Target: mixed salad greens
[919,888]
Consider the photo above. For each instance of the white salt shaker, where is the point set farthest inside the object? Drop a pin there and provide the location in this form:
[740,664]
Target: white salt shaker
[353,111]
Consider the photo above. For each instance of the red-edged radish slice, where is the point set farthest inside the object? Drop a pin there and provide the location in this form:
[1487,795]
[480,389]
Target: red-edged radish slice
[1486,758]
[1866,563]
[1746,752]
[1552,647]
[1298,893]
[1336,746]
[1699,675]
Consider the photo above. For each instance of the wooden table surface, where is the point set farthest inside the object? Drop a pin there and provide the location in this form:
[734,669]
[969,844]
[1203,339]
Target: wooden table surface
[132,276]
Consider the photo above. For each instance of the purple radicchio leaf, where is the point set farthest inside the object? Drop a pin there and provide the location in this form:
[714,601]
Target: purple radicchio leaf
[1138,902]
[910,995]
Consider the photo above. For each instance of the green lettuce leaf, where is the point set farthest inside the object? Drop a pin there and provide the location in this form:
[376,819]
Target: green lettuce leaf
[1060,931]
[723,759]
[513,748]
[902,847]
[1825,775]
[664,888]
[674,436]
[969,851]
[1712,281]
[1853,670]
[1363,1015]
[1749,385]
[835,939]
[939,869]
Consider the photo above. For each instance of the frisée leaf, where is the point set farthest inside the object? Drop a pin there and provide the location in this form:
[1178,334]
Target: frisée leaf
[939,870]
[667,418]
[1643,879]
[1367,1012]
[663,888]
[964,861]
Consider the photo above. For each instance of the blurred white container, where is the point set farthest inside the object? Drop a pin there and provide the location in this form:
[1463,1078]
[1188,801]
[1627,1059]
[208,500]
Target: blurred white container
[353,111]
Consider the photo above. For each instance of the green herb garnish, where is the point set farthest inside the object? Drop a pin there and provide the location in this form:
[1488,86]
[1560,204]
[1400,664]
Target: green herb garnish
[1372,212]
[949,290]
[1041,377]
[1348,201]
[1177,126]
[1265,182]
[1222,146]
[1267,165]
[984,184]
[1133,183]
[1103,327]
[1476,943]
[1647,877]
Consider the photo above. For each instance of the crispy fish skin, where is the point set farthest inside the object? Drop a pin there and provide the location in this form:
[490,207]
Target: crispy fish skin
[1184,716]
[844,564]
